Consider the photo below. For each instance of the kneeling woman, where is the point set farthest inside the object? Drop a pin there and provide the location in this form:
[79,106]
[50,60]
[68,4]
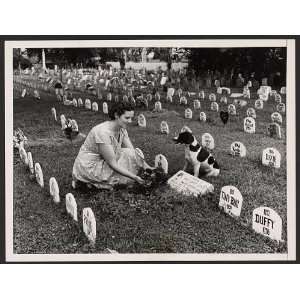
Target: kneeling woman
[107,156]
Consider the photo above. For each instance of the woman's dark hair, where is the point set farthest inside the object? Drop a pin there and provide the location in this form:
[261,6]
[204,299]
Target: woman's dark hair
[119,108]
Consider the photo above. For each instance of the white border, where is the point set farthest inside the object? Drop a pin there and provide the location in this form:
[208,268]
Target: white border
[291,190]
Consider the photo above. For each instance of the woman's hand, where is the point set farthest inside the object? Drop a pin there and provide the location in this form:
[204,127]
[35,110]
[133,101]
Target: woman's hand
[139,180]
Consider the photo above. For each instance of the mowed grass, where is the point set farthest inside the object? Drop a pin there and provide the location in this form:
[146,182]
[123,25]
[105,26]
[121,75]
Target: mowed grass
[164,221]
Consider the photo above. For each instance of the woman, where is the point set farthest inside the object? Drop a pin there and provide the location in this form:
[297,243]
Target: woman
[101,161]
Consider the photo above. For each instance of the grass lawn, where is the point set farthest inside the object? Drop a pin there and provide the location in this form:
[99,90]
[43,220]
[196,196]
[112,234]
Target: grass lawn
[163,221]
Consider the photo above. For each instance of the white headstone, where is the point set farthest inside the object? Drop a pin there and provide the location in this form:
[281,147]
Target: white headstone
[71,206]
[278,98]
[170,92]
[214,106]
[231,200]
[23,93]
[263,97]
[23,155]
[223,100]
[80,102]
[276,117]
[157,106]
[202,95]
[267,222]
[36,94]
[30,162]
[188,184]
[219,90]
[271,157]
[183,100]
[88,104]
[240,102]
[238,149]
[54,190]
[149,97]
[105,108]
[283,90]
[212,97]
[251,112]
[63,121]
[232,109]
[202,116]
[142,120]
[259,104]
[75,104]
[280,107]
[95,106]
[39,174]
[161,161]
[109,97]
[188,114]
[208,141]
[164,127]
[53,112]
[274,130]
[197,104]
[157,96]
[249,125]
[163,80]
[89,224]
[74,125]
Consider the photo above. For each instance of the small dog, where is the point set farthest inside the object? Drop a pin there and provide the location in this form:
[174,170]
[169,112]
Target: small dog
[197,156]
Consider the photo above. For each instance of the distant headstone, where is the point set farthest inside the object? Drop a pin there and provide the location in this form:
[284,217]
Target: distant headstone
[80,103]
[63,121]
[170,92]
[188,114]
[264,97]
[278,98]
[232,109]
[157,106]
[74,125]
[267,222]
[231,200]
[157,96]
[188,184]
[75,104]
[240,102]
[53,112]
[54,190]
[197,104]
[105,108]
[95,106]
[71,206]
[161,162]
[249,125]
[251,112]
[273,93]
[30,163]
[202,95]
[238,149]
[89,224]
[125,98]
[23,155]
[164,127]
[109,97]
[39,174]
[214,106]
[283,90]
[259,104]
[202,116]
[276,117]
[163,80]
[179,92]
[219,90]
[280,107]
[88,104]
[212,97]
[183,100]
[149,97]
[274,130]
[23,93]
[208,141]
[141,120]
[271,157]
[223,100]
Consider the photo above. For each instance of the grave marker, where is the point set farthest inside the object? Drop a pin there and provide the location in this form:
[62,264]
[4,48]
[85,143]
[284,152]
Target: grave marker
[283,90]
[71,206]
[251,112]
[105,108]
[108,97]
[95,106]
[202,95]
[278,98]
[280,107]
[231,200]
[30,163]
[240,102]
[89,224]
[214,106]
[232,109]
[23,155]
[170,92]
[259,104]
[157,106]
[74,125]
[54,190]
[274,130]
[249,125]
[23,93]
[183,100]
[169,99]
[219,90]
[271,157]
[202,116]
[63,121]
[208,141]
[142,120]
[161,162]
[238,149]
[75,104]
[276,117]
[188,114]
[164,127]
[157,96]
[88,104]
[212,97]
[197,104]
[53,112]
[267,222]
[39,174]
[223,100]
[80,102]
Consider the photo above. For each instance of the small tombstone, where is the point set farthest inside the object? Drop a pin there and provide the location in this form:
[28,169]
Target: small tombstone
[23,155]
[232,109]
[161,162]
[157,96]
[197,104]
[109,97]
[71,206]
[202,116]
[238,149]
[202,95]
[212,97]
[105,108]
[276,117]
[179,92]
[89,224]
[54,190]
[164,127]
[149,97]
[95,106]
[170,92]
[223,100]
[259,104]
[188,114]
[271,157]
[125,98]
[274,130]
[208,141]
[246,93]
[74,125]
[39,174]
[23,93]
[273,93]
[80,102]
[36,94]
[30,163]
[75,104]
[263,97]
[267,222]
[53,112]
[217,83]
[280,107]
[214,106]
[142,120]
[240,102]
[63,121]
[278,98]
[283,90]
[231,200]
[157,106]
[249,125]
[251,112]
[219,90]
[183,100]
[226,90]
[88,104]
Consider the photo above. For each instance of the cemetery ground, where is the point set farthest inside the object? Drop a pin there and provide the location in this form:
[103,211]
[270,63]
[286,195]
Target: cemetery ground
[163,221]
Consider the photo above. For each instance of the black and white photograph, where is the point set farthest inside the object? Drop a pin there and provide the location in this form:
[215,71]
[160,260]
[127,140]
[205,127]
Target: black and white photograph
[150,150]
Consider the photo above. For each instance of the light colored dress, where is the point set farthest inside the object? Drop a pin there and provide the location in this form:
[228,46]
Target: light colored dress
[91,168]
